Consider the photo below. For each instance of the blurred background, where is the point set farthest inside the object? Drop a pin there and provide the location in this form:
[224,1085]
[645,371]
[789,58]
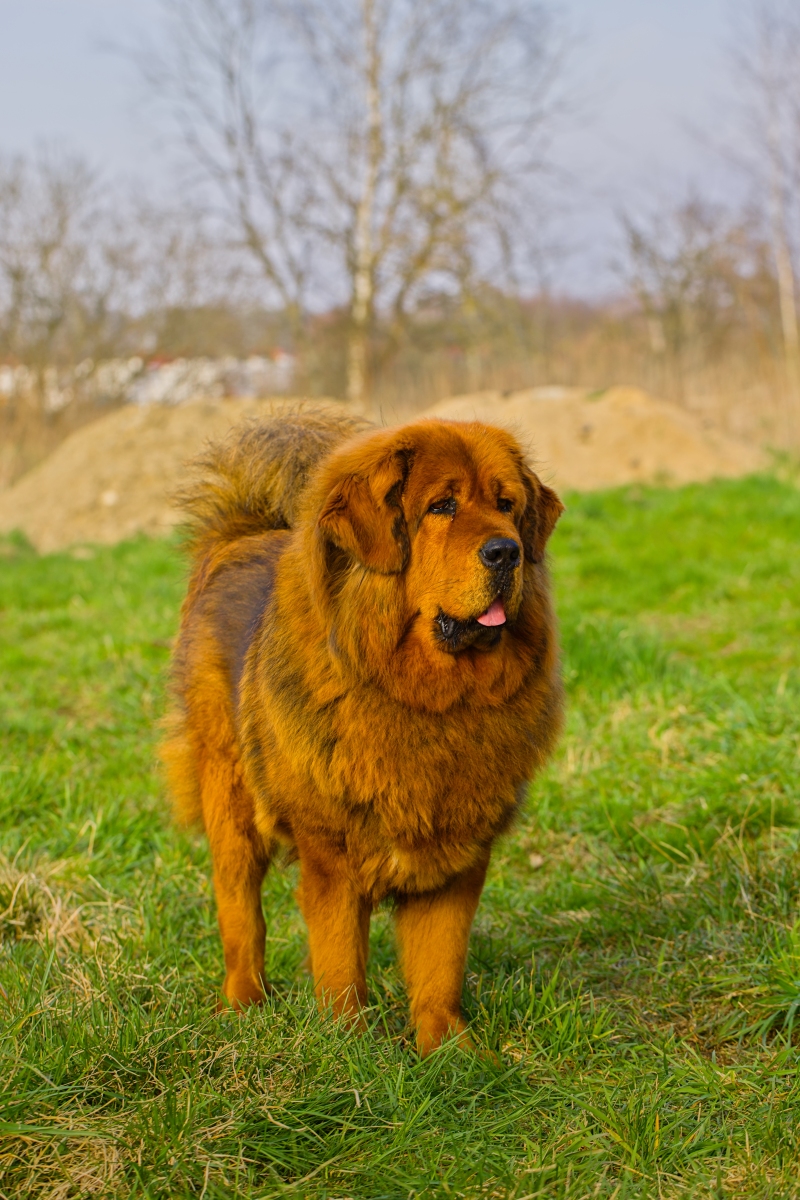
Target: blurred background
[392,202]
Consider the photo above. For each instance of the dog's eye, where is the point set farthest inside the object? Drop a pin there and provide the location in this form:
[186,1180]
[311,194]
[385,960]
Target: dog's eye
[505,505]
[444,507]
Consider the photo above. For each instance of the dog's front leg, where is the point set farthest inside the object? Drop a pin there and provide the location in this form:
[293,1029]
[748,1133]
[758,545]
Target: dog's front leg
[433,931]
[337,916]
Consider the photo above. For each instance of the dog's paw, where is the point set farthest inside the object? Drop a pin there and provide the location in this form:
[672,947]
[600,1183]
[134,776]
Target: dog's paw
[435,1028]
[239,992]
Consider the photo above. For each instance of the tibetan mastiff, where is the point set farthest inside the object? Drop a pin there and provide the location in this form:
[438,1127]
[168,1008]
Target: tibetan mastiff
[366,673]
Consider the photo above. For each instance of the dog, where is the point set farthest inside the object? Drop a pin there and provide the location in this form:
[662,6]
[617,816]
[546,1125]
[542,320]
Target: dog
[367,673]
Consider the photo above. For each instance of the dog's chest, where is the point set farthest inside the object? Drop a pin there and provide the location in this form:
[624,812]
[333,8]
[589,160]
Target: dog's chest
[428,776]
[413,797]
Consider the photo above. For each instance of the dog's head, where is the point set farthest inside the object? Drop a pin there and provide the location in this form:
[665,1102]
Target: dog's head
[451,514]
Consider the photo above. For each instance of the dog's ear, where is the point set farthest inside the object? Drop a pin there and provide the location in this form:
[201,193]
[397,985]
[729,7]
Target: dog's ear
[363,514]
[542,510]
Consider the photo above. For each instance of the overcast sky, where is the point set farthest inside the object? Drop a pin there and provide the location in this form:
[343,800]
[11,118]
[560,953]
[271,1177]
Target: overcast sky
[652,75]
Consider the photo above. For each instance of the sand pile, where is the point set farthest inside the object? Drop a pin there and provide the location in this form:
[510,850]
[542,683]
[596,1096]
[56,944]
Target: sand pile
[586,441]
[113,479]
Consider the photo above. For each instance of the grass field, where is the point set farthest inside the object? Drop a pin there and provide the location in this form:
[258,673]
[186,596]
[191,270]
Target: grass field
[636,957]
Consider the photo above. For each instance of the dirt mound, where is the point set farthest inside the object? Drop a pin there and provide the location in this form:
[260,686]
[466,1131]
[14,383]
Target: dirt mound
[114,478]
[585,441]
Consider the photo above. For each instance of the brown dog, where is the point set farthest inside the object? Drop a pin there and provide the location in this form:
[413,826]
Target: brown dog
[367,672]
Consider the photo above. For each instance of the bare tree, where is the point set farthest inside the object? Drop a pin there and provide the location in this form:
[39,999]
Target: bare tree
[48,268]
[80,260]
[364,152]
[766,59]
[703,279]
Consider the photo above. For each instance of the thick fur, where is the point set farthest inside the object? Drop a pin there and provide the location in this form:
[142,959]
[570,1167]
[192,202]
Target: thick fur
[325,704]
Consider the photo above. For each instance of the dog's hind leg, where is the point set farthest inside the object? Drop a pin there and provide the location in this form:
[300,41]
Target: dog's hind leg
[433,931]
[241,857]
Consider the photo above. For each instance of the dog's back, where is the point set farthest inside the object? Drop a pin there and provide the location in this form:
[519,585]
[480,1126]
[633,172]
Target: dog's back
[240,504]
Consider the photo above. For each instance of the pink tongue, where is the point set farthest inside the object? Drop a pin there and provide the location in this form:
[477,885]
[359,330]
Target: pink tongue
[494,615]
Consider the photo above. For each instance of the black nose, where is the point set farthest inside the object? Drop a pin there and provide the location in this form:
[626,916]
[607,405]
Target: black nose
[499,552]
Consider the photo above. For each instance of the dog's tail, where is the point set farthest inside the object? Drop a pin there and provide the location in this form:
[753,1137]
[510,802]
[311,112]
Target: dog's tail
[252,481]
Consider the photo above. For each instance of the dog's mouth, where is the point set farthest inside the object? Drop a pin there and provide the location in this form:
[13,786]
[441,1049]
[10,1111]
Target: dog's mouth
[494,615]
[482,632]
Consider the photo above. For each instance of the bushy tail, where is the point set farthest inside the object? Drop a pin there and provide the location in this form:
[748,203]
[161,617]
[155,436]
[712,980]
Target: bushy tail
[252,481]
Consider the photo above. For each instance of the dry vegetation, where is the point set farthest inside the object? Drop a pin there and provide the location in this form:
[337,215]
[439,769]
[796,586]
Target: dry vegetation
[381,226]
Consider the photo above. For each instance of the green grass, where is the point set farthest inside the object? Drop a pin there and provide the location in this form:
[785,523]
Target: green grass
[636,956]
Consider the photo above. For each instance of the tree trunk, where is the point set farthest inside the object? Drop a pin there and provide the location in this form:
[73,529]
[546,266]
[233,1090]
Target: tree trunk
[787,295]
[784,267]
[363,292]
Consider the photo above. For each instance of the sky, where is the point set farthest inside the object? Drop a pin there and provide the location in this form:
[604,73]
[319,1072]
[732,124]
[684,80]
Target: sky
[658,113]
[649,77]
